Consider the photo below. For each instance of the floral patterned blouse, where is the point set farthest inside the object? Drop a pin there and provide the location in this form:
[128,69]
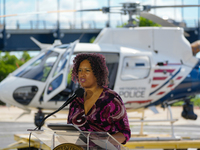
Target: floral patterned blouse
[108,114]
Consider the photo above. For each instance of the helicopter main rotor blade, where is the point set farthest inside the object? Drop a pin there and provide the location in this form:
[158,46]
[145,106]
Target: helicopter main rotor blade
[167,6]
[159,20]
[46,12]
[33,13]
[98,9]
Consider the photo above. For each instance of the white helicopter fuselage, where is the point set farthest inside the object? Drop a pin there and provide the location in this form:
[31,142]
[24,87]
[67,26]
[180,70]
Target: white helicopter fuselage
[146,64]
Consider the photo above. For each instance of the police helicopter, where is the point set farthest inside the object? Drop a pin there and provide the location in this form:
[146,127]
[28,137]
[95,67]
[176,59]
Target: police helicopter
[148,66]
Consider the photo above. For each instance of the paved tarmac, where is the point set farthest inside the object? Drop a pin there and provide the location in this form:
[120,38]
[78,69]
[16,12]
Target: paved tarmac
[184,128]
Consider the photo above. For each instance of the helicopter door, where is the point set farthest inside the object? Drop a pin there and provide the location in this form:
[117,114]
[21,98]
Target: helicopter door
[60,76]
[134,77]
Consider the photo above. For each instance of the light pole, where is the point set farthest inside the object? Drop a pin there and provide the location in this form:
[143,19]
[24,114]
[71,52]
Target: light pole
[108,24]
[74,26]
[174,10]
[199,21]
[155,9]
[4,24]
[81,14]
[58,19]
[37,9]
[4,13]
[182,10]
[0,11]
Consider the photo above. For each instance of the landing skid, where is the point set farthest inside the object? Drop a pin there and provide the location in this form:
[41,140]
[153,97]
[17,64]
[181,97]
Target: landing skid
[26,112]
[143,137]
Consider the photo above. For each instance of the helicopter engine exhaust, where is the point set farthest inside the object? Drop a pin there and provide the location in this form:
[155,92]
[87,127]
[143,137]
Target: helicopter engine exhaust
[188,111]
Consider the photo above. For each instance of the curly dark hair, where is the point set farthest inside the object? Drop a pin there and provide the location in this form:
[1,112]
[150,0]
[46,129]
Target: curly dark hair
[98,64]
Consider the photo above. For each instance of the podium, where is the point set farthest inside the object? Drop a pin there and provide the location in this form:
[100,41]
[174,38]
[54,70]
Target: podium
[77,140]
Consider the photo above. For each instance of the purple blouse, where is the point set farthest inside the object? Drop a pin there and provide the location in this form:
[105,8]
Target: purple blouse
[108,114]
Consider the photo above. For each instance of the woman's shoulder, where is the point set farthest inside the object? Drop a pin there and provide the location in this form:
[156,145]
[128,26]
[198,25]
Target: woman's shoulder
[111,93]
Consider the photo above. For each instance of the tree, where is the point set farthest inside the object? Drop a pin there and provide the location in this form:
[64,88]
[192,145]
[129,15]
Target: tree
[25,56]
[92,39]
[9,63]
[143,22]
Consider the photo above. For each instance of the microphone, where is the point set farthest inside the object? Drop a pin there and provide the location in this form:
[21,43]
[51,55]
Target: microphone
[78,93]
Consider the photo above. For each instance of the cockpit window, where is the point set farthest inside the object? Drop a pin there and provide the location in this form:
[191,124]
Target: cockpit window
[135,67]
[40,68]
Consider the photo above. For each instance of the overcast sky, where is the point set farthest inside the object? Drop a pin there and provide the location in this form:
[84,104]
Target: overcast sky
[90,19]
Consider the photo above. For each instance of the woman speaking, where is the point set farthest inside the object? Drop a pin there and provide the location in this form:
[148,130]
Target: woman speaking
[100,109]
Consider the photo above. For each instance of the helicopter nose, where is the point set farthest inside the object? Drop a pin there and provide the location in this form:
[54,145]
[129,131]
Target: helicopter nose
[0,91]
[5,86]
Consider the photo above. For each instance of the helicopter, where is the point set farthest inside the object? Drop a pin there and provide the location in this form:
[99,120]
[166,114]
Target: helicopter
[148,66]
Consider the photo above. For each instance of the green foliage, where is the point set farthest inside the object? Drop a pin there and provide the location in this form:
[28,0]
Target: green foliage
[195,101]
[92,39]
[143,22]
[25,56]
[9,63]
[180,103]
[121,26]
[47,69]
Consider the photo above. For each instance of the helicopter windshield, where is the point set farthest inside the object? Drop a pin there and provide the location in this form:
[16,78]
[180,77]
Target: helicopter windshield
[40,68]
[62,63]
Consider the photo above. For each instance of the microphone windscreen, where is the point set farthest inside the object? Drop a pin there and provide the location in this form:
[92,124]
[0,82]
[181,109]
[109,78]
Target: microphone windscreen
[79,92]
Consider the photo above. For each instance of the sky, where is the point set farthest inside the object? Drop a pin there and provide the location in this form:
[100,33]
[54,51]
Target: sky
[89,19]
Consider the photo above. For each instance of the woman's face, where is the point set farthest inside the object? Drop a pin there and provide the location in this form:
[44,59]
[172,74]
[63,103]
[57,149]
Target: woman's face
[86,76]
